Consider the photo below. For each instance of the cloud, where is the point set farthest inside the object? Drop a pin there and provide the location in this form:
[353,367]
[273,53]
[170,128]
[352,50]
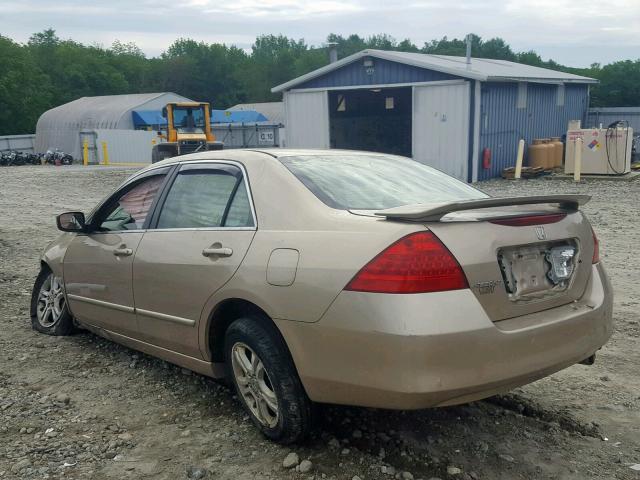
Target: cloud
[569,32]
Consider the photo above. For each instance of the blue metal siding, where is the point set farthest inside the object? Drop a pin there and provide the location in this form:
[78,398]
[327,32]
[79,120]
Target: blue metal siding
[606,116]
[385,72]
[502,124]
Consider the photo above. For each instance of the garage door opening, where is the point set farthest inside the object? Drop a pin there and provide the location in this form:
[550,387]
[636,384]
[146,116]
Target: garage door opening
[377,120]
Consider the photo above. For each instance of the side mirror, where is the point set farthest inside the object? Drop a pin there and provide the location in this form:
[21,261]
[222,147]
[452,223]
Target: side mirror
[71,222]
[164,112]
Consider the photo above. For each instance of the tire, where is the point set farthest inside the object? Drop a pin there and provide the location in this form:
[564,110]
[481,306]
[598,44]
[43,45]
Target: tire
[254,335]
[155,154]
[58,321]
[158,154]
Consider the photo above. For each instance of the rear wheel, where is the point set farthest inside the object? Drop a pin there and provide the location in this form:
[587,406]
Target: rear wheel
[265,379]
[49,313]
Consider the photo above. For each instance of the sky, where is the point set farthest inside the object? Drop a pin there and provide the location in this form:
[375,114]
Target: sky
[572,32]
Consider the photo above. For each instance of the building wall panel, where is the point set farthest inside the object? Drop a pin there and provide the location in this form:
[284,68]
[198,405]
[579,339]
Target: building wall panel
[384,72]
[607,116]
[307,119]
[21,143]
[258,135]
[441,127]
[502,124]
[124,146]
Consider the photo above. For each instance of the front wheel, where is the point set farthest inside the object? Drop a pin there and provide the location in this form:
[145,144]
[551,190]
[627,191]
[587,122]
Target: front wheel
[49,312]
[265,379]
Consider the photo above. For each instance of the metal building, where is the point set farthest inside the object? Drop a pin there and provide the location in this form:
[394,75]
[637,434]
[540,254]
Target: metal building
[105,123]
[273,111]
[606,115]
[441,110]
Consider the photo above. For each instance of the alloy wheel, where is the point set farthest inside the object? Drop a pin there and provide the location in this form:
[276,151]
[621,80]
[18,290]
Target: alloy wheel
[51,302]
[254,384]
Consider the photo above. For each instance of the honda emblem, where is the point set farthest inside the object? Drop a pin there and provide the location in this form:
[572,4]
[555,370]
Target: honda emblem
[540,233]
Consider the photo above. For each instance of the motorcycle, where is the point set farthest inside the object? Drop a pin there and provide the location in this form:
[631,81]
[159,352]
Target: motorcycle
[12,158]
[57,157]
[32,159]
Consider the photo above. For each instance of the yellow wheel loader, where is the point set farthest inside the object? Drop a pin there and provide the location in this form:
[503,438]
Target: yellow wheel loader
[188,131]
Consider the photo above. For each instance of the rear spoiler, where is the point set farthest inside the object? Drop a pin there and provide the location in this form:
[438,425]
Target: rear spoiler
[433,212]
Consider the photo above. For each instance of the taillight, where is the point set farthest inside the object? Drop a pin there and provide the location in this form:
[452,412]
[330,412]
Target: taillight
[530,220]
[596,248]
[417,263]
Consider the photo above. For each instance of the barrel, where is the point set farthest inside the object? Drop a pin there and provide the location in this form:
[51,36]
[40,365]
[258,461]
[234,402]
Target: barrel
[538,153]
[558,150]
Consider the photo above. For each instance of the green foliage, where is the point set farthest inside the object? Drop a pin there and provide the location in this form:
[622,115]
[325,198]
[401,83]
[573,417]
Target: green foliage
[25,92]
[49,71]
[619,84]
[495,48]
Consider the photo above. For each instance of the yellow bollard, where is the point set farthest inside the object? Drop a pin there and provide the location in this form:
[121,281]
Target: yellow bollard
[105,153]
[85,153]
[577,160]
[519,158]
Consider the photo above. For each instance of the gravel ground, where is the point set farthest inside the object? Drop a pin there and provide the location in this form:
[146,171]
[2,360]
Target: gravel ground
[83,407]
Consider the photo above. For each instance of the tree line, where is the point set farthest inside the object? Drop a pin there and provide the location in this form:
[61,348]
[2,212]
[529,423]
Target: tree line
[48,71]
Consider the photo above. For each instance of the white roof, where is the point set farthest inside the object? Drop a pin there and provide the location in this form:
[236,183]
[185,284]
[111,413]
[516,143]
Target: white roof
[100,112]
[274,111]
[483,69]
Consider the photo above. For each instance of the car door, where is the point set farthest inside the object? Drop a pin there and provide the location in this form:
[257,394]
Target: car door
[201,231]
[98,265]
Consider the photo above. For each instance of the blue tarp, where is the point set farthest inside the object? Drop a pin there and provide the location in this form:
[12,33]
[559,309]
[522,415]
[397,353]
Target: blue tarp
[147,118]
[144,118]
[236,116]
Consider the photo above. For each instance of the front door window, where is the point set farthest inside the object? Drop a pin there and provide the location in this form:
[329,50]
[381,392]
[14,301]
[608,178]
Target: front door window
[130,211]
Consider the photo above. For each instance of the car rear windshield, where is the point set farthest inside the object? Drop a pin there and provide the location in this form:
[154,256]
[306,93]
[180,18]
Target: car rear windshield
[375,182]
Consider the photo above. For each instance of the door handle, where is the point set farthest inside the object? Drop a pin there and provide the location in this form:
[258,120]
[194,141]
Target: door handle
[217,252]
[123,251]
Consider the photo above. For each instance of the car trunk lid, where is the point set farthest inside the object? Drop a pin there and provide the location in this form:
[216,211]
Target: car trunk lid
[520,255]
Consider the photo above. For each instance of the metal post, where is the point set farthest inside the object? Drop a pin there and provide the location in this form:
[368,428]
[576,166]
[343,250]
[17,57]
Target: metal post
[577,160]
[85,153]
[333,52]
[105,153]
[519,158]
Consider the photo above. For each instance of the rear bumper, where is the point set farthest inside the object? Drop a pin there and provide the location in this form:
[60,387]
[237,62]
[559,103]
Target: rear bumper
[424,350]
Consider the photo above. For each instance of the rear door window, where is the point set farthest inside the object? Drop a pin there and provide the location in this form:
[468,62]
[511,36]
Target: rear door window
[207,197]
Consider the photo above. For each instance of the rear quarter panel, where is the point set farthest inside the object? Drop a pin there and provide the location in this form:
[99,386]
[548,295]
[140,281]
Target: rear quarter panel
[327,262]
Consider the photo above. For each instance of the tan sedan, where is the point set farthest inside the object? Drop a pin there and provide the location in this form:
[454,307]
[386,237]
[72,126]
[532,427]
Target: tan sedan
[330,276]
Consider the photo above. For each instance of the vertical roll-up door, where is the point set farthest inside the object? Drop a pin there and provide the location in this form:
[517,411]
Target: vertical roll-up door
[441,127]
[307,119]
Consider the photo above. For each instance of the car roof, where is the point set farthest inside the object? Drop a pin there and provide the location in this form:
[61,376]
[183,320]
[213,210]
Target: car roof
[257,155]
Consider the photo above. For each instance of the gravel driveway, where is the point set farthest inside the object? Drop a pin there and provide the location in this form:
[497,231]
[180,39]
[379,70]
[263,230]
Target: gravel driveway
[83,407]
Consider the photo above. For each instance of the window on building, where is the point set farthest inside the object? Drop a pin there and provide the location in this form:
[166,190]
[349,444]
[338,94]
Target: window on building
[389,103]
[521,101]
[560,96]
